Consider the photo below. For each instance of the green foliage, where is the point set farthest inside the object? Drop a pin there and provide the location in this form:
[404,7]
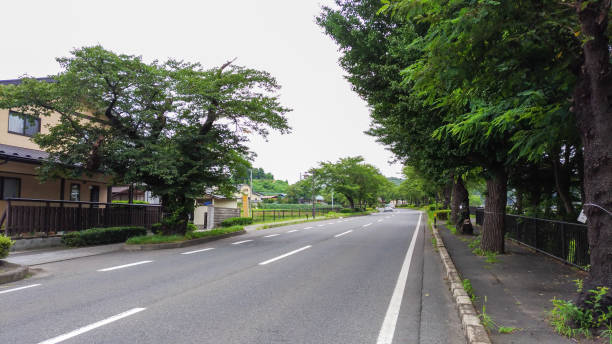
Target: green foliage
[126,202]
[442,214]
[160,239]
[289,206]
[571,320]
[5,245]
[101,236]
[236,221]
[175,126]
[467,286]
[270,186]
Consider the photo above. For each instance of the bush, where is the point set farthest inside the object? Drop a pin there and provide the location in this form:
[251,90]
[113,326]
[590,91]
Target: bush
[101,236]
[236,221]
[160,239]
[191,227]
[346,210]
[442,214]
[5,245]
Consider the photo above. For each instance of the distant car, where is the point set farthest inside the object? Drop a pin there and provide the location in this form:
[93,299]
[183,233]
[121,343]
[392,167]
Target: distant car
[388,209]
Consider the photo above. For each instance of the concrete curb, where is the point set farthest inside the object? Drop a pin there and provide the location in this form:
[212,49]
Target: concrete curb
[475,332]
[17,274]
[151,247]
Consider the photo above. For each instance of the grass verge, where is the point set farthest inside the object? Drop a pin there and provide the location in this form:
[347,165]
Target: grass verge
[161,239]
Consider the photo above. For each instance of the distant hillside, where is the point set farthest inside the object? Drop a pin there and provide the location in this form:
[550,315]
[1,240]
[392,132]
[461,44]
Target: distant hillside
[395,180]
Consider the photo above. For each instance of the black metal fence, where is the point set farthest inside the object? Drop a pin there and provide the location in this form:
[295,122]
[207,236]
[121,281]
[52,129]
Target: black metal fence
[563,240]
[273,215]
[25,216]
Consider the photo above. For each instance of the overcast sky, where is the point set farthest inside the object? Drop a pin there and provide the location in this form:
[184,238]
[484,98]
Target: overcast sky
[278,36]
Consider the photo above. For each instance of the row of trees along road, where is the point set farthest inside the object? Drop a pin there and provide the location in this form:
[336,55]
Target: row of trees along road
[515,92]
[175,126]
[352,181]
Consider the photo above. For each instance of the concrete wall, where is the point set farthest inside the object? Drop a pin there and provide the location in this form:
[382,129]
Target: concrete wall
[225,203]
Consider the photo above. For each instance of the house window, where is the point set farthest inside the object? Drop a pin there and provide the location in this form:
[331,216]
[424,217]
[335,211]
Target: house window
[10,187]
[75,192]
[23,124]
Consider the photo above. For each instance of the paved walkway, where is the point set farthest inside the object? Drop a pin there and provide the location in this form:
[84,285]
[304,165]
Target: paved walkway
[37,257]
[518,288]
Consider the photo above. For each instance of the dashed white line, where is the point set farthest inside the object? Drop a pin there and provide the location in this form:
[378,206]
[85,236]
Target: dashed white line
[197,251]
[320,225]
[240,242]
[285,255]
[379,221]
[367,224]
[90,327]
[344,233]
[307,227]
[125,266]
[20,288]
[293,230]
[271,235]
[387,330]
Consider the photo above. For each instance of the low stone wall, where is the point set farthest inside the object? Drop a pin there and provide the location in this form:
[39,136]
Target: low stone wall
[36,243]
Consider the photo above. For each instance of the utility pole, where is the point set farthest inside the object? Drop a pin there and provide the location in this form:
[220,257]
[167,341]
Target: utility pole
[313,194]
[332,200]
[251,194]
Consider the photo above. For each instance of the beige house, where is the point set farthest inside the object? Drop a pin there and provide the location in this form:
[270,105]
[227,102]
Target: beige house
[20,157]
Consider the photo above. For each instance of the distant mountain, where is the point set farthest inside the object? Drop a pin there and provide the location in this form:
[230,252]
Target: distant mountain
[395,180]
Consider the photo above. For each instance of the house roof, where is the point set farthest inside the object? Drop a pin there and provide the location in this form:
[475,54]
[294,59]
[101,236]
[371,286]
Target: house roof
[18,81]
[23,154]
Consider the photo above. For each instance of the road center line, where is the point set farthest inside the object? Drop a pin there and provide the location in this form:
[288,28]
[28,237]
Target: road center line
[125,266]
[271,235]
[285,255]
[196,251]
[293,230]
[20,288]
[307,227]
[367,224]
[385,336]
[90,327]
[344,233]
[240,242]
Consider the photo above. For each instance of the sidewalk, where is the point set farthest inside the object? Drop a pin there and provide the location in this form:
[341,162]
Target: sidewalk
[518,288]
[43,256]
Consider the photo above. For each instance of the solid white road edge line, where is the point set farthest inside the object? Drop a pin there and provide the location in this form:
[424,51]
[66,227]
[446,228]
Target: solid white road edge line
[385,336]
[285,255]
[344,233]
[95,325]
[271,235]
[196,251]
[20,288]
[293,230]
[125,266]
[240,242]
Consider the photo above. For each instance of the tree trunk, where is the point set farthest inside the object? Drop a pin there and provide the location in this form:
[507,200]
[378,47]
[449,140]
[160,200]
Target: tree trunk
[562,183]
[448,190]
[493,229]
[594,116]
[458,197]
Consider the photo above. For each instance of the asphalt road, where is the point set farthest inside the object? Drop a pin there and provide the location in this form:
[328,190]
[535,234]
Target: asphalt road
[370,279]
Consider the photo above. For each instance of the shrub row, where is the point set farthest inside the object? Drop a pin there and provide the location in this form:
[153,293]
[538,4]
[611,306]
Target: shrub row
[101,236]
[236,221]
[5,245]
[442,214]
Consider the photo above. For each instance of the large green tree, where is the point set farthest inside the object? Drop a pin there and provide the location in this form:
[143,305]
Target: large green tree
[175,126]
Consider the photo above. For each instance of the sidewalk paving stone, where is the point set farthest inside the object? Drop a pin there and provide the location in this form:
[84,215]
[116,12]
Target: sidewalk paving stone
[518,288]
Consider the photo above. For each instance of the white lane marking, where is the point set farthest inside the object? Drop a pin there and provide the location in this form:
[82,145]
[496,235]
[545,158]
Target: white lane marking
[285,255]
[240,242]
[344,233]
[293,230]
[196,251]
[367,224]
[388,326]
[307,227]
[90,327]
[126,265]
[271,235]
[20,288]
[320,225]
[379,220]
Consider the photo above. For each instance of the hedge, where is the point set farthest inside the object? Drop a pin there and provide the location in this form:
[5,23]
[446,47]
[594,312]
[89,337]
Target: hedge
[442,214]
[101,236]
[5,245]
[236,221]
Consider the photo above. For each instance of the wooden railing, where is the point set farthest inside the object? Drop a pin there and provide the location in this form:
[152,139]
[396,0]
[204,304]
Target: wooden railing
[45,217]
